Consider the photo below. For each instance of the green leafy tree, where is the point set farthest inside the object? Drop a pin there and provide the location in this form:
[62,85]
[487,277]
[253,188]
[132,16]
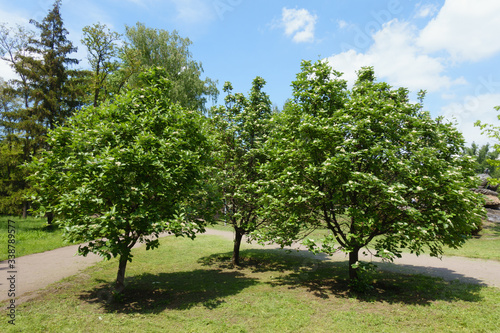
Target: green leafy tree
[483,155]
[17,133]
[124,172]
[102,51]
[12,178]
[491,158]
[370,167]
[49,88]
[55,87]
[241,127]
[146,47]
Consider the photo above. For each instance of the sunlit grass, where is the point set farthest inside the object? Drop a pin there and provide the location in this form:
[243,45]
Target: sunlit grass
[190,286]
[31,236]
[484,246]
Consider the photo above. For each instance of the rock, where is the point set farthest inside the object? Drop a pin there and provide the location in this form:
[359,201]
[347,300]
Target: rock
[485,191]
[492,201]
[485,179]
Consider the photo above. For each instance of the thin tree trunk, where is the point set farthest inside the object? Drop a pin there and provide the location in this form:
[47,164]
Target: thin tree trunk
[50,218]
[26,206]
[238,235]
[353,258]
[120,277]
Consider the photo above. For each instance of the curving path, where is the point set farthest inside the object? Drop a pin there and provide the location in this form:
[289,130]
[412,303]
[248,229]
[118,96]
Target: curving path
[36,271]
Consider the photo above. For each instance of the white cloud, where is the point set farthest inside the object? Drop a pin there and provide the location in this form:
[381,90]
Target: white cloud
[6,72]
[299,23]
[470,110]
[195,11]
[342,24]
[466,29]
[426,10]
[397,59]
[13,19]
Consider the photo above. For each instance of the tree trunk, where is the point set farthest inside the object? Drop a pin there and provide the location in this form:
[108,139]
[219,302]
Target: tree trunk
[353,258]
[120,277]
[50,218]
[238,235]
[26,206]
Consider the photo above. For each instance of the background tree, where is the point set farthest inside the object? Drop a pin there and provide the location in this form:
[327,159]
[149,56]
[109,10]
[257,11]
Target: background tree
[369,166]
[102,50]
[16,141]
[147,47]
[12,178]
[240,129]
[123,173]
[493,132]
[54,85]
[483,155]
[49,88]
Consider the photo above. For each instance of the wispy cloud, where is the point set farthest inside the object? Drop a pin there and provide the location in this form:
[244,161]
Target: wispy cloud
[194,11]
[412,68]
[298,24]
[426,10]
[466,29]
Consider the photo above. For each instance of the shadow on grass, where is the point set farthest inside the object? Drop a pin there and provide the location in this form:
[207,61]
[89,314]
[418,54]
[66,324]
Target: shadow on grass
[153,293]
[325,279]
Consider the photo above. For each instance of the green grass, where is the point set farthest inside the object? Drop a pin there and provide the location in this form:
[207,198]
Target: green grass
[484,246]
[189,286]
[31,236]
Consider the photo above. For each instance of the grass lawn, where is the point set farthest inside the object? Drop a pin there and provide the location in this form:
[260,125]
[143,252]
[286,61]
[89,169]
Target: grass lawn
[484,246]
[32,236]
[189,286]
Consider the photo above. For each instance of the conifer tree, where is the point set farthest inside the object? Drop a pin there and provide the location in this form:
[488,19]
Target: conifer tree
[49,88]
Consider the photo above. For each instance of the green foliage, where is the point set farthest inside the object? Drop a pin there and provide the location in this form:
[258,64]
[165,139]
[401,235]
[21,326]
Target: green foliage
[122,172]
[48,91]
[493,132]
[483,156]
[370,154]
[102,51]
[241,127]
[54,87]
[12,183]
[32,236]
[147,47]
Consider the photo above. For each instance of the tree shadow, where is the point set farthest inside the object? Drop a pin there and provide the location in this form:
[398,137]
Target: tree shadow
[263,260]
[325,279]
[330,279]
[153,293]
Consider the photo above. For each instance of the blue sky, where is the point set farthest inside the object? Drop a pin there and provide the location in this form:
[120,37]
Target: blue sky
[450,48]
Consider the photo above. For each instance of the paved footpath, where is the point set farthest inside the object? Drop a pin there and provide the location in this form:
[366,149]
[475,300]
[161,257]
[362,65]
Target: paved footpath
[36,271]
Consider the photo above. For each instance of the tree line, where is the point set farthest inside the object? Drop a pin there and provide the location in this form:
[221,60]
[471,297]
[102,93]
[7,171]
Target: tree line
[127,150]
[50,87]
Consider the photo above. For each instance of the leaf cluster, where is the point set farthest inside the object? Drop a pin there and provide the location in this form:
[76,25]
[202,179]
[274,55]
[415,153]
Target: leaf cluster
[369,154]
[123,171]
[240,129]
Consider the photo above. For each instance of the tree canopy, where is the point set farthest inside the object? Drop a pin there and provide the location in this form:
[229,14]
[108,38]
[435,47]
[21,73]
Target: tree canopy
[491,158]
[124,172]
[367,165]
[240,128]
[50,90]
[146,47]
[484,159]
